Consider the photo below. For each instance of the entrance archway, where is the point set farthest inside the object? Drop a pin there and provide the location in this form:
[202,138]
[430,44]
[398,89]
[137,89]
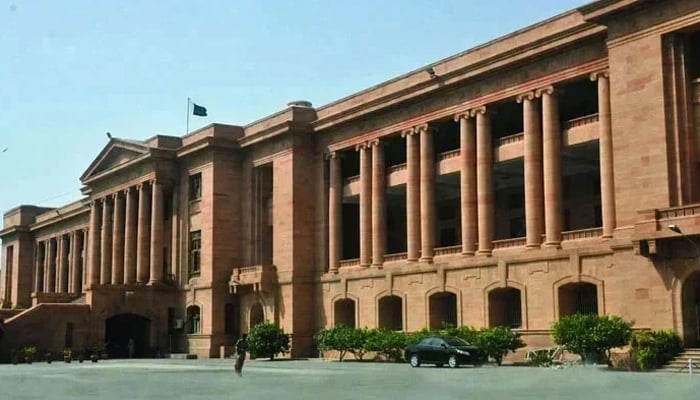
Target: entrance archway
[122,327]
[345,313]
[691,310]
[257,315]
[390,313]
[443,310]
[578,298]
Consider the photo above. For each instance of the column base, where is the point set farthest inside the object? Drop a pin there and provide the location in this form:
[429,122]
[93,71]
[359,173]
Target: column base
[487,253]
[468,253]
[552,244]
[428,260]
[378,266]
[365,265]
[412,259]
[533,245]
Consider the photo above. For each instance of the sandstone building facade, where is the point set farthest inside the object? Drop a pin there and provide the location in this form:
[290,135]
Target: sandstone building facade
[529,178]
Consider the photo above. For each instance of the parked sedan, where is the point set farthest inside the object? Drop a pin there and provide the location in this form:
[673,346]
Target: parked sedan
[440,350]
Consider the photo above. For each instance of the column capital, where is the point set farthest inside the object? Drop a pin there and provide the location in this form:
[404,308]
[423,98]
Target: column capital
[127,191]
[483,110]
[529,96]
[600,74]
[466,114]
[142,185]
[408,132]
[425,128]
[332,155]
[115,195]
[548,90]
[375,142]
[362,146]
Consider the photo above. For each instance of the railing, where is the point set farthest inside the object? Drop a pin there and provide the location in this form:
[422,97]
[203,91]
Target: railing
[352,179]
[250,270]
[590,233]
[506,243]
[395,257]
[518,137]
[349,263]
[395,168]
[682,211]
[585,120]
[449,154]
[444,251]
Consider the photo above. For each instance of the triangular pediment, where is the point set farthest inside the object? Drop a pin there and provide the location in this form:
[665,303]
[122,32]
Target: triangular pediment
[114,154]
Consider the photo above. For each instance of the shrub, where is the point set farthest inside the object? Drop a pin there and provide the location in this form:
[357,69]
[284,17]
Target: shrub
[652,349]
[339,338]
[267,340]
[498,341]
[591,335]
[467,333]
[387,344]
[417,336]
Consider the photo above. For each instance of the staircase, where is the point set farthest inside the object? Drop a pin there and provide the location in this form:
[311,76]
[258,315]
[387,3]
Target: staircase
[680,363]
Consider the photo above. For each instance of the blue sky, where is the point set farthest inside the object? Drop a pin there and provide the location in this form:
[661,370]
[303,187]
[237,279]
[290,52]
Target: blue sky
[72,70]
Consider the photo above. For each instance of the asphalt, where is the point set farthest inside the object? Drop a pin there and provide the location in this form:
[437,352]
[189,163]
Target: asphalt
[319,379]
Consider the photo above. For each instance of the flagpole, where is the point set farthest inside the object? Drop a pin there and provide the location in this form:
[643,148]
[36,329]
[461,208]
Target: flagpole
[188,116]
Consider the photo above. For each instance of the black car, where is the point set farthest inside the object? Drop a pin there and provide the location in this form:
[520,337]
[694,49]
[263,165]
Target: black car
[440,350]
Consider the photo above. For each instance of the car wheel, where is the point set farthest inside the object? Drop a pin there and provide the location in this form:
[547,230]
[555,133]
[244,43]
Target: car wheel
[452,362]
[415,361]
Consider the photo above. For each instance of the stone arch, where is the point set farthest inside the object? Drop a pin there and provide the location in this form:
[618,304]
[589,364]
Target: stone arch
[690,309]
[127,335]
[378,321]
[584,295]
[499,289]
[345,310]
[256,314]
[193,319]
[390,310]
[443,307]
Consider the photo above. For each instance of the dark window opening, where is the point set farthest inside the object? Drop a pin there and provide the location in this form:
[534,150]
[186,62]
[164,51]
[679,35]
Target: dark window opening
[446,137]
[443,310]
[394,150]
[351,228]
[193,324]
[257,315]
[69,335]
[195,248]
[349,163]
[396,219]
[195,186]
[345,313]
[391,313]
[578,298]
[694,50]
[509,199]
[509,120]
[577,99]
[505,308]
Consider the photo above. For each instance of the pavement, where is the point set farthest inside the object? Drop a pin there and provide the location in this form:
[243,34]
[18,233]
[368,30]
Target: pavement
[319,379]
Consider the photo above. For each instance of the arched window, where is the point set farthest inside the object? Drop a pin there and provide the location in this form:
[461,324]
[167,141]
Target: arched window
[193,320]
[690,301]
[505,308]
[257,315]
[443,310]
[345,313]
[578,298]
[391,313]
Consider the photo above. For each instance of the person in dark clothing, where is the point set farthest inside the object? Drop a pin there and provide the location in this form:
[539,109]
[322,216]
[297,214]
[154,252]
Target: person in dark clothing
[241,349]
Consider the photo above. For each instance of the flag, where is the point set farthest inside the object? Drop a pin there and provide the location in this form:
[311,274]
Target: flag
[199,110]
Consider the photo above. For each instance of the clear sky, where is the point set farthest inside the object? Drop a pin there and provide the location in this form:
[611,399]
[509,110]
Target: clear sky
[72,70]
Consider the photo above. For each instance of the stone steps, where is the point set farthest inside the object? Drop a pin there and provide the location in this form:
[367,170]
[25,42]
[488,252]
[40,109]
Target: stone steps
[182,356]
[680,363]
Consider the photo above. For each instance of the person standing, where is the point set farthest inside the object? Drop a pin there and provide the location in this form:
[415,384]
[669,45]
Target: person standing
[241,349]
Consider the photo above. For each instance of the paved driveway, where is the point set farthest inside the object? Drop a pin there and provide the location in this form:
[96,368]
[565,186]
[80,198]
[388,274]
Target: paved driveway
[324,380]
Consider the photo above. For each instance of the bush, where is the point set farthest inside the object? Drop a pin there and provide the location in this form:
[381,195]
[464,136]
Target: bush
[467,333]
[267,340]
[591,335]
[498,341]
[341,339]
[653,349]
[387,344]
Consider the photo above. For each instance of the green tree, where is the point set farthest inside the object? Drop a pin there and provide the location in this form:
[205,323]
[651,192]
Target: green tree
[652,349]
[339,338]
[591,335]
[498,341]
[386,343]
[267,340]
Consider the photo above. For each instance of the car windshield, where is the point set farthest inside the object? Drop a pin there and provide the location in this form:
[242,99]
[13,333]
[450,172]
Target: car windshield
[456,342]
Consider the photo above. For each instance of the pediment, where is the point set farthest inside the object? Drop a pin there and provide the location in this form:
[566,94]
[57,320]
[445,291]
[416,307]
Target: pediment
[114,154]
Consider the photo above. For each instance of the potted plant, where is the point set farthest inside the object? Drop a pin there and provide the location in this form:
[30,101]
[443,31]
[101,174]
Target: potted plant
[95,353]
[29,353]
[67,355]
[48,357]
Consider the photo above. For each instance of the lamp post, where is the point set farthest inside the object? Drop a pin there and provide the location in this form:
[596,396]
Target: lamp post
[678,230]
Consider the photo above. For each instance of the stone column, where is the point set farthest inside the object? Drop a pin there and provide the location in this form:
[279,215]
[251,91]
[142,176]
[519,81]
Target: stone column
[94,243]
[607,183]
[467,186]
[143,236]
[45,277]
[118,240]
[413,234]
[39,267]
[335,214]
[551,166]
[51,276]
[75,262]
[130,228]
[378,204]
[427,193]
[484,180]
[365,205]
[532,161]
[156,232]
[106,241]
[63,264]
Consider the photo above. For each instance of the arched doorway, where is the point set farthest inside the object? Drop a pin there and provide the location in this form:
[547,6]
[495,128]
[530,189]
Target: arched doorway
[578,298]
[443,310]
[691,310]
[257,316]
[505,308]
[345,313]
[391,313]
[122,327]
[193,323]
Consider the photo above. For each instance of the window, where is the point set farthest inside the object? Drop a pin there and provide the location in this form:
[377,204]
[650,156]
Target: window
[196,186]
[193,320]
[195,246]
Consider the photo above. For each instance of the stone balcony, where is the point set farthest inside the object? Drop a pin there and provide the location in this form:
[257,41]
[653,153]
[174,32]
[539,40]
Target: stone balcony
[259,278]
[651,228]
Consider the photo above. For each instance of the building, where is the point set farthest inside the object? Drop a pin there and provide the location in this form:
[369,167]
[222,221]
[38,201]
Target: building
[529,178]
